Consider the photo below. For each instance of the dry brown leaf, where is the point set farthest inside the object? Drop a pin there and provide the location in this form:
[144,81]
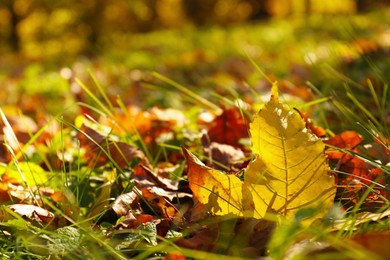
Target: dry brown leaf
[134,220]
[202,239]
[162,182]
[160,205]
[376,242]
[227,156]
[33,213]
[127,202]
[101,150]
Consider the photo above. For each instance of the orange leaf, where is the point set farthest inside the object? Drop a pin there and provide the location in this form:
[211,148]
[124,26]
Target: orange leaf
[355,174]
[221,193]
[174,256]
[318,131]
[376,242]
[347,139]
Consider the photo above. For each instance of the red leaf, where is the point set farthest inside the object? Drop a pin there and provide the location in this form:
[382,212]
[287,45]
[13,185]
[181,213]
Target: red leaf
[229,127]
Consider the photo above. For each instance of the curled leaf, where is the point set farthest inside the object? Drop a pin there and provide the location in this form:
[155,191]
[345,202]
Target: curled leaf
[33,213]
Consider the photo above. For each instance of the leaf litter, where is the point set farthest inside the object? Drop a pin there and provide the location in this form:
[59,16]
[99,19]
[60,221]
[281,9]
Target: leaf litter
[229,203]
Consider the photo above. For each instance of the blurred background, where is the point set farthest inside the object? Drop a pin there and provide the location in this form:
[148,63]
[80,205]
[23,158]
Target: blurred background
[45,45]
[39,28]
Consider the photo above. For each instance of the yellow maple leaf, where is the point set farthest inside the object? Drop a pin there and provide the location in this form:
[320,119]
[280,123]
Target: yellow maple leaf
[290,170]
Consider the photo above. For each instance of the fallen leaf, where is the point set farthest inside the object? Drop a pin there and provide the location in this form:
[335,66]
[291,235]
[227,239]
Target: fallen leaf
[127,202]
[6,184]
[133,221]
[347,140]
[375,242]
[33,213]
[149,124]
[290,170]
[162,182]
[221,193]
[354,174]
[223,156]
[27,173]
[202,239]
[171,195]
[17,130]
[30,195]
[160,205]
[309,124]
[174,256]
[361,218]
[229,127]
[101,150]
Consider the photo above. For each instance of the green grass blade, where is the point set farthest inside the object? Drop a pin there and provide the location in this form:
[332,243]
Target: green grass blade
[101,90]
[188,92]
[362,108]
[258,68]
[93,96]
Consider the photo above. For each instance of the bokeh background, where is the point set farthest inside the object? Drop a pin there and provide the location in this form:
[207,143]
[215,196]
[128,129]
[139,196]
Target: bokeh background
[45,45]
[39,28]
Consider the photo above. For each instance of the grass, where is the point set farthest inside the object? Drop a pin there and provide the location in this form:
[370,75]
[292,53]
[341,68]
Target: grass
[206,75]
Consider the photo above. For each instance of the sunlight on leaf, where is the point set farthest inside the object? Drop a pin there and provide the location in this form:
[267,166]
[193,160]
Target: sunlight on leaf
[33,174]
[221,193]
[290,170]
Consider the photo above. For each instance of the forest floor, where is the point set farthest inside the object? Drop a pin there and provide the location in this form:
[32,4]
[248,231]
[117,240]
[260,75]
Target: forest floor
[254,140]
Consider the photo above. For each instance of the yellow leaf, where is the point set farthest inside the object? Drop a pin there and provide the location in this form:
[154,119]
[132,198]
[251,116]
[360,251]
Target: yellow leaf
[220,193]
[290,170]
